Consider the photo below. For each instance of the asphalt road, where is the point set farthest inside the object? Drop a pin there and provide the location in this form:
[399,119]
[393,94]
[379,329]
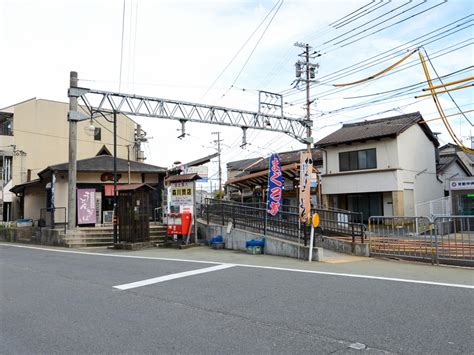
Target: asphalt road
[55,302]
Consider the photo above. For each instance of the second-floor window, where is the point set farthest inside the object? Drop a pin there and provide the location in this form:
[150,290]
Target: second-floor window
[97,134]
[6,126]
[358,160]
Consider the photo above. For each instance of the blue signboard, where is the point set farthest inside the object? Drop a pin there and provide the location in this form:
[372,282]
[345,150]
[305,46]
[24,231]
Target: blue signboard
[275,185]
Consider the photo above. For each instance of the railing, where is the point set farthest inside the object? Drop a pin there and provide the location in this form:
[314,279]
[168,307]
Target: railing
[454,239]
[157,215]
[409,237]
[448,239]
[284,224]
[53,217]
[439,207]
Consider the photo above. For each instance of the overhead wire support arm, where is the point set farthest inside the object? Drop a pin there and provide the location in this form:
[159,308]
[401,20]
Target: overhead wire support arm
[145,106]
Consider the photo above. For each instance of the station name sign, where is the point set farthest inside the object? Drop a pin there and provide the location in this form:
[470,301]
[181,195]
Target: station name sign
[462,185]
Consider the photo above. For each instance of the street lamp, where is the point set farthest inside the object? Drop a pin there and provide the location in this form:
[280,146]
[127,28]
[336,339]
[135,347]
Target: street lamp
[92,129]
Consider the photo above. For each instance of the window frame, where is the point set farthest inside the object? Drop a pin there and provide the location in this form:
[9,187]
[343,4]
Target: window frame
[351,160]
[97,134]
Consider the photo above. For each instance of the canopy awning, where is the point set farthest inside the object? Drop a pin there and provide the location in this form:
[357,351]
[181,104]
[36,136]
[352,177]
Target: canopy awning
[260,178]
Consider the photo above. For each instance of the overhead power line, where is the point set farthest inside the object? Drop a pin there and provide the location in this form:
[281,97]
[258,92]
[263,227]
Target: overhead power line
[403,67]
[449,94]
[240,49]
[335,23]
[379,73]
[387,55]
[365,24]
[364,13]
[254,48]
[386,27]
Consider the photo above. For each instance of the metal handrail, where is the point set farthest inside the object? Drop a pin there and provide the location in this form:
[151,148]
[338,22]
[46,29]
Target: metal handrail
[155,213]
[285,223]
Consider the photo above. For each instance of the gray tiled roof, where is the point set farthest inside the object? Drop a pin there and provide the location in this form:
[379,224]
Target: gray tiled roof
[385,127]
[444,162]
[105,163]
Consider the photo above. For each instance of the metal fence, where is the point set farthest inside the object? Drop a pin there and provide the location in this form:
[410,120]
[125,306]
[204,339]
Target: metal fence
[454,239]
[445,240]
[336,223]
[439,207]
[53,217]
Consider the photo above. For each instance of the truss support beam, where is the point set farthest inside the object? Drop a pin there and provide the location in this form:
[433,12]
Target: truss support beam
[135,105]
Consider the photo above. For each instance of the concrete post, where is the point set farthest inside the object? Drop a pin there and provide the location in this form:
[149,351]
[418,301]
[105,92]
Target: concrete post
[72,166]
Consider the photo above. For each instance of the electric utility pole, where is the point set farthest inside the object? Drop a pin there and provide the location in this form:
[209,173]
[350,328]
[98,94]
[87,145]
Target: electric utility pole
[218,142]
[72,165]
[309,69]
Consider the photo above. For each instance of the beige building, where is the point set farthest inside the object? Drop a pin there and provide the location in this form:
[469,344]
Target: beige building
[34,134]
[382,167]
[49,191]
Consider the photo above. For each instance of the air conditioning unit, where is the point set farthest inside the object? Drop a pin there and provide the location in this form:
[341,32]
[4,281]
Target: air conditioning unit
[108,217]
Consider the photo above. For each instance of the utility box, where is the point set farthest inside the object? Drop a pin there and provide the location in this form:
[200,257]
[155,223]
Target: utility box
[133,212]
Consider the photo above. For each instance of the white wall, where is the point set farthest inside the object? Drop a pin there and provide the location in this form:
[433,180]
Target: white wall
[418,166]
[386,150]
[359,181]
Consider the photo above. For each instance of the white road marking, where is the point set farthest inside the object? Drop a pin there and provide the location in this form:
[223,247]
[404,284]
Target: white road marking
[433,283]
[172,277]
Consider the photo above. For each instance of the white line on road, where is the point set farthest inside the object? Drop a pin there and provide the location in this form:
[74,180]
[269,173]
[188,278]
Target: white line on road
[433,283]
[172,277]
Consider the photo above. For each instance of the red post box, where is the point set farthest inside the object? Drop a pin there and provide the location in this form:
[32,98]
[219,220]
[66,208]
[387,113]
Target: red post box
[179,223]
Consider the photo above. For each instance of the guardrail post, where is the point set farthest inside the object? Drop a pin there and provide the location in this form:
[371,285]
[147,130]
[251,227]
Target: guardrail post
[362,234]
[233,215]
[265,222]
[352,233]
[208,206]
[305,234]
[222,212]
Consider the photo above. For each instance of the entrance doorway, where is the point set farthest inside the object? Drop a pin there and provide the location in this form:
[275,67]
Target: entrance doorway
[370,204]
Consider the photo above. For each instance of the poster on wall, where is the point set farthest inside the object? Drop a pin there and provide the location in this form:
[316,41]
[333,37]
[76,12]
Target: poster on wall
[86,211]
[306,169]
[275,185]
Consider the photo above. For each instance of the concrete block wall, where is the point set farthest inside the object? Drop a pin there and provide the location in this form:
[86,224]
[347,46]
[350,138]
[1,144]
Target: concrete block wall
[236,239]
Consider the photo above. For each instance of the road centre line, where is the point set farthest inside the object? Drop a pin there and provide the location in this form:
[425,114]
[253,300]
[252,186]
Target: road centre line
[382,278]
[172,277]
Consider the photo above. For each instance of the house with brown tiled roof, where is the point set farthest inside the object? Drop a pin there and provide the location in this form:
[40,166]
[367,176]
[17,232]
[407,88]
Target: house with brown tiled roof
[382,167]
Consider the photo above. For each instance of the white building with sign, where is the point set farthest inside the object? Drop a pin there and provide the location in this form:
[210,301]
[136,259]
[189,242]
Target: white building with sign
[462,195]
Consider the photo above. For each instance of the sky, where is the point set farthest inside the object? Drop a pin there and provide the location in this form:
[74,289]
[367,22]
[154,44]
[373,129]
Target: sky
[183,50]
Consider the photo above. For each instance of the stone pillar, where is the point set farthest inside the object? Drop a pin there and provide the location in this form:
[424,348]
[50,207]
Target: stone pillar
[398,205]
